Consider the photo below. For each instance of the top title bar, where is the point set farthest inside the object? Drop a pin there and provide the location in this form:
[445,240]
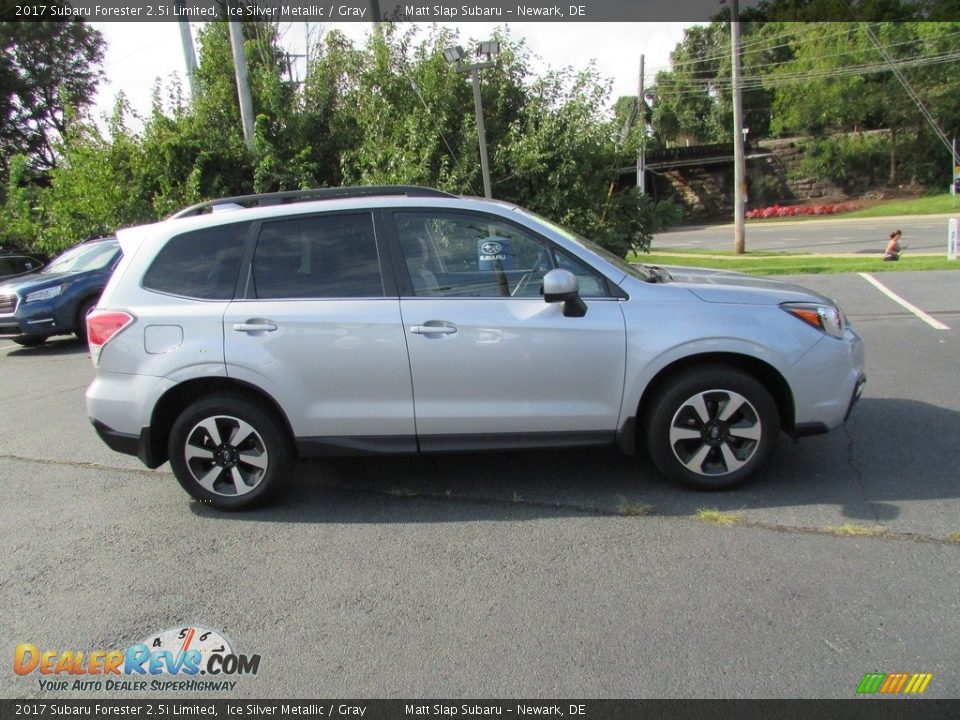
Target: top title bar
[509,11]
[367,10]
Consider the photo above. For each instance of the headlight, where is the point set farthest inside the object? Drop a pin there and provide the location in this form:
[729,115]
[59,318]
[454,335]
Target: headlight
[45,294]
[826,318]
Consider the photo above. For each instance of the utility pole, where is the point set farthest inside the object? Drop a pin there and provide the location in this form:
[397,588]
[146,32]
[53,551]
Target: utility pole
[955,174]
[481,130]
[454,55]
[641,116]
[243,85]
[739,162]
[189,56]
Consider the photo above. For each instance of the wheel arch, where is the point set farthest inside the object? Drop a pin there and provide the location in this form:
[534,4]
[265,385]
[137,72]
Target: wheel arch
[760,370]
[175,400]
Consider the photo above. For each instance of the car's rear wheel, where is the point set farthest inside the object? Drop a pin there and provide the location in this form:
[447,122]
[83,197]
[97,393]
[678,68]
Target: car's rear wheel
[30,340]
[712,428]
[230,451]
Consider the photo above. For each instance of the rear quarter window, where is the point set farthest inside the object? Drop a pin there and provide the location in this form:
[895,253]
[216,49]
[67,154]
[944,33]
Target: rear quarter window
[202,264]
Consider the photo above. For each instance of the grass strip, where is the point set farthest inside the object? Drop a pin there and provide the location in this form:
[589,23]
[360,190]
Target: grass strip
[765,263]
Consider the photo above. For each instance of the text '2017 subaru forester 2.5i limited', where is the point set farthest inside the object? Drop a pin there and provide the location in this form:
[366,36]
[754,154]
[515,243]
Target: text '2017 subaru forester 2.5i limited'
[406,320]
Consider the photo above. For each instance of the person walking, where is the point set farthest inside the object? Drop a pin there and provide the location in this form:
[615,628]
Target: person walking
[893,247]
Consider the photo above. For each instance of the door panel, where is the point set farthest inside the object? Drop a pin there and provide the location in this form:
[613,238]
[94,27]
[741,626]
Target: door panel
[489,357]
[316,332]
[338,367]
[514,365]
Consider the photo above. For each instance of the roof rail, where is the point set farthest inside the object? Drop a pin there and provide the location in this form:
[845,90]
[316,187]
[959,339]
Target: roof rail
[294,196]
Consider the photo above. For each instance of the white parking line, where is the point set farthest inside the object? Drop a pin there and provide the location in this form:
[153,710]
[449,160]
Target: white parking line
[935,324]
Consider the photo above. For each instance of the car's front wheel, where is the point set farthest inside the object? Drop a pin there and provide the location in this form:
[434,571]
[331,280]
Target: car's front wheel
[30,340]
[85,309]
[230,451]
[712,428]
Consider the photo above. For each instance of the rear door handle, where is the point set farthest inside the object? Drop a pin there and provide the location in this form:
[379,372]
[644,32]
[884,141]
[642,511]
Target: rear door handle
[255,326]
[433,327]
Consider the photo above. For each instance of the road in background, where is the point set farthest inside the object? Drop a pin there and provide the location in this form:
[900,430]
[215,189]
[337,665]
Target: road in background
[921,234]
[534,574]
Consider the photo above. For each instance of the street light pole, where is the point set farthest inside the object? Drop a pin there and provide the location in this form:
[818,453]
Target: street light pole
[243,84]
[739,163]
[481,133]
[455,55]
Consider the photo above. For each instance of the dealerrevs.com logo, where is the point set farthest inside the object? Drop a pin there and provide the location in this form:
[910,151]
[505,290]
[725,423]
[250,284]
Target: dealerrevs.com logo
[188,658]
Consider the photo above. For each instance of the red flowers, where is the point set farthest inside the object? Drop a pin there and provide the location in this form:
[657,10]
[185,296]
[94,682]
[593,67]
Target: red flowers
[793,210]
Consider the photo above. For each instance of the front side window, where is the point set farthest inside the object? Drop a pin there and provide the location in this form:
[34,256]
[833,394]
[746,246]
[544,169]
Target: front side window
[201,264]
[329,256]
[465,255]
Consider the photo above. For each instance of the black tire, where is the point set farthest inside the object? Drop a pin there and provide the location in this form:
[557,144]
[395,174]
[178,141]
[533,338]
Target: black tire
[711,428]
[85,308]
[30,340]
[251,468]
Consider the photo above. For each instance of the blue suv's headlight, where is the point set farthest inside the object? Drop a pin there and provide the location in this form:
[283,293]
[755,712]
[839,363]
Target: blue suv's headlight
[45,294]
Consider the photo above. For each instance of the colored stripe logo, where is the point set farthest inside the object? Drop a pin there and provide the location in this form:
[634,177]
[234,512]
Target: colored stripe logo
[894,683]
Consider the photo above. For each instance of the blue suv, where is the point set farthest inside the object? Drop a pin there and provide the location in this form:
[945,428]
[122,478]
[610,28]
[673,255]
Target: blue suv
[56,300]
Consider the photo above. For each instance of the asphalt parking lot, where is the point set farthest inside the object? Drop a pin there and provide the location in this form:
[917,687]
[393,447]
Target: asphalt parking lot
[547,574]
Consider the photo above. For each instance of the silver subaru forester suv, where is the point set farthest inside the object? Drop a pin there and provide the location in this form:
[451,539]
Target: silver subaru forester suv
[244,332]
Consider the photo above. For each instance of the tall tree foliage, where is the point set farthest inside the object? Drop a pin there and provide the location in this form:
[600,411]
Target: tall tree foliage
[390,111]
[803,77]
[46,69]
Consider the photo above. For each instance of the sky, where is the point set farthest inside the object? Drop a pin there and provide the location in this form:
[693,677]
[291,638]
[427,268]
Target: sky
[138,53]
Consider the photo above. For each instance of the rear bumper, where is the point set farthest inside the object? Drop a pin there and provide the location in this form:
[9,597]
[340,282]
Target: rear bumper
[138,445]
[117,441]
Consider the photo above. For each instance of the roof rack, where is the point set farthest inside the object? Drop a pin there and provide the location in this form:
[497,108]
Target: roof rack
[294,196]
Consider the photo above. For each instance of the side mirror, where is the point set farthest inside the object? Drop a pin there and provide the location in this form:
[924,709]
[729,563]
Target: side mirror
[562,286]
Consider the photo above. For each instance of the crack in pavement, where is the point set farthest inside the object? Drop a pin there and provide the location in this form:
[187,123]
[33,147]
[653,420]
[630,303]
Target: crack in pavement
[857,474]
[27,396]
[572,508]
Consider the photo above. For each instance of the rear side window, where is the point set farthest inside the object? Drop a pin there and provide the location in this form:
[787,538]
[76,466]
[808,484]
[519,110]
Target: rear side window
[328,256]
[202,264]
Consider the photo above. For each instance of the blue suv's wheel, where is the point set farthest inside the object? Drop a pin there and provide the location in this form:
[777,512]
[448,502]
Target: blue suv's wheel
[30,340]
[85,309]
[230,451]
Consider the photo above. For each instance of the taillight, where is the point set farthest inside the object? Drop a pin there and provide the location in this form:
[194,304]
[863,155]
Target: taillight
[102,325]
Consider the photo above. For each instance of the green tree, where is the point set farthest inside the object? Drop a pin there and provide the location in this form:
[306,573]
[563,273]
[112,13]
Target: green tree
[45,68]
[694,99]
[838,82]
[391,111]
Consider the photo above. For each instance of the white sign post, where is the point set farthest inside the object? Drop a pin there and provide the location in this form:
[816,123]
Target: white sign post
[952,226]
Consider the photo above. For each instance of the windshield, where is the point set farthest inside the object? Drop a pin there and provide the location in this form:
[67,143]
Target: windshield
[84,257]
[638,271]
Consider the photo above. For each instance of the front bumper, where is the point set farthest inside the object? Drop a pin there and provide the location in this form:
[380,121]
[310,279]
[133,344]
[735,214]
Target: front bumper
[857,392]
[827,382]
[35,318]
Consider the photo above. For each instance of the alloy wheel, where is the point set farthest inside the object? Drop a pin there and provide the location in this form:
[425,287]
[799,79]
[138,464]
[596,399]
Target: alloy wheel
[715,432]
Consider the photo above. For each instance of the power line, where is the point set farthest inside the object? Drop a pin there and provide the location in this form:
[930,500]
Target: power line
[822,39]
[911,92]
[772,81]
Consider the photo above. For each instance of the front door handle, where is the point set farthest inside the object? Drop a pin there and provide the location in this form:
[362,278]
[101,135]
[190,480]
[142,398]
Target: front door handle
[255,326]
[433,327]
